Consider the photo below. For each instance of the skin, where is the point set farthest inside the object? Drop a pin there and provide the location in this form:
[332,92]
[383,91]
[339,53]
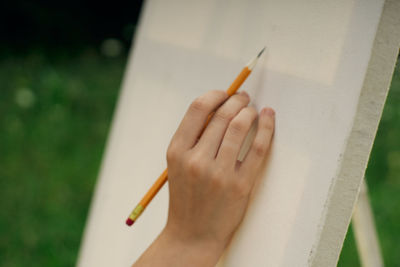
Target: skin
[209,188]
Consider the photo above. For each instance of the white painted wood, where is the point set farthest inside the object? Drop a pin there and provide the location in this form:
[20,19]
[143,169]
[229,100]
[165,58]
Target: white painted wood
[343,192]
[316,75]
[364,231]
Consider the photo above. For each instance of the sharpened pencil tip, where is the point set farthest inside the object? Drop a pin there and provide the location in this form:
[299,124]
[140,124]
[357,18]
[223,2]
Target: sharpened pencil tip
[253,62]
[262,51]
[129,221]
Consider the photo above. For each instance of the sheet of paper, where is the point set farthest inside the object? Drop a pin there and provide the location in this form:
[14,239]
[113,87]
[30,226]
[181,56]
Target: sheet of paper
[312,74]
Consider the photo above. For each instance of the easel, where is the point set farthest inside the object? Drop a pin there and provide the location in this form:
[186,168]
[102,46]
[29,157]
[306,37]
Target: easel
[327,75]
[365,232]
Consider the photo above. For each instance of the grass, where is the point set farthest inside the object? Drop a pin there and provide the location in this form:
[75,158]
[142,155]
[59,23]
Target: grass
[55,113]
[55,116]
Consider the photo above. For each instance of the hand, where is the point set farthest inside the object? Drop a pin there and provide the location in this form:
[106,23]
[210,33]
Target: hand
[209,188]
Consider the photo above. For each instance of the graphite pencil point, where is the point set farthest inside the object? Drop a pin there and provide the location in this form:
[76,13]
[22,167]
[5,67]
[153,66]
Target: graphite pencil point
[262,51]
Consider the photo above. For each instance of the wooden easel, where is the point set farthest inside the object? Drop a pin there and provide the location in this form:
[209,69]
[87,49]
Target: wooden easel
[327,72]
[365,231]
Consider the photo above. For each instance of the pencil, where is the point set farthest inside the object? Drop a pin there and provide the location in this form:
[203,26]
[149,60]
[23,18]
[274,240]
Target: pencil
[137,211]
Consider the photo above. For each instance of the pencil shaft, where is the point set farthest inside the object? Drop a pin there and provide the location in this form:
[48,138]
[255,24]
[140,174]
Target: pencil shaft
[154,188]
[238,81]
[164,176]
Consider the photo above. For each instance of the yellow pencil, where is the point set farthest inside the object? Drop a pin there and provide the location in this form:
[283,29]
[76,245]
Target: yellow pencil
[137,211]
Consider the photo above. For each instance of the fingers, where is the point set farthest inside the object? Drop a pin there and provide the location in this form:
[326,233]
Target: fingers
[192,123]
[261,143]
[212,137]
[235,136]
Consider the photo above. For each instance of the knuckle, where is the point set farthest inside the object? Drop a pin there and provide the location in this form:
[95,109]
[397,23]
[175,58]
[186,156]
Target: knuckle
[217,174]
[241,188]
[217,93]
[172,155]
[199,105]
[242,97]
[241,124]
[224,115]
[238,126]
[259,149]
[195,165]
[216,180]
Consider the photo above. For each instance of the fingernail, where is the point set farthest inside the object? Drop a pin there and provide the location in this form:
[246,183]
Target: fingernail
[269,111]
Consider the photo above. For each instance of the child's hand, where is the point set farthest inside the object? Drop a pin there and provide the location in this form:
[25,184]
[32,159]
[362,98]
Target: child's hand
[209,188]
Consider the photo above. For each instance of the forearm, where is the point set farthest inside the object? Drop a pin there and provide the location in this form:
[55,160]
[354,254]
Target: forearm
[168,250]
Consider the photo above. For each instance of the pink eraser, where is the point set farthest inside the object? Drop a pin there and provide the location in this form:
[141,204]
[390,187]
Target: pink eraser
[129,221]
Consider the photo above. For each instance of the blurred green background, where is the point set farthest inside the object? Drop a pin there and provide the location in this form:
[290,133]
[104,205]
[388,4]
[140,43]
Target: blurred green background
[61,67]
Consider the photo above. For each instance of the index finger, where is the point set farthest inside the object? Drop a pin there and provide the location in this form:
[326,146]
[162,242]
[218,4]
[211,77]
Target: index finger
[195,118]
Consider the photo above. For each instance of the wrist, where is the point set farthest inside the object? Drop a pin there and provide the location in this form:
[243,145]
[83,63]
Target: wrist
[206,252]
